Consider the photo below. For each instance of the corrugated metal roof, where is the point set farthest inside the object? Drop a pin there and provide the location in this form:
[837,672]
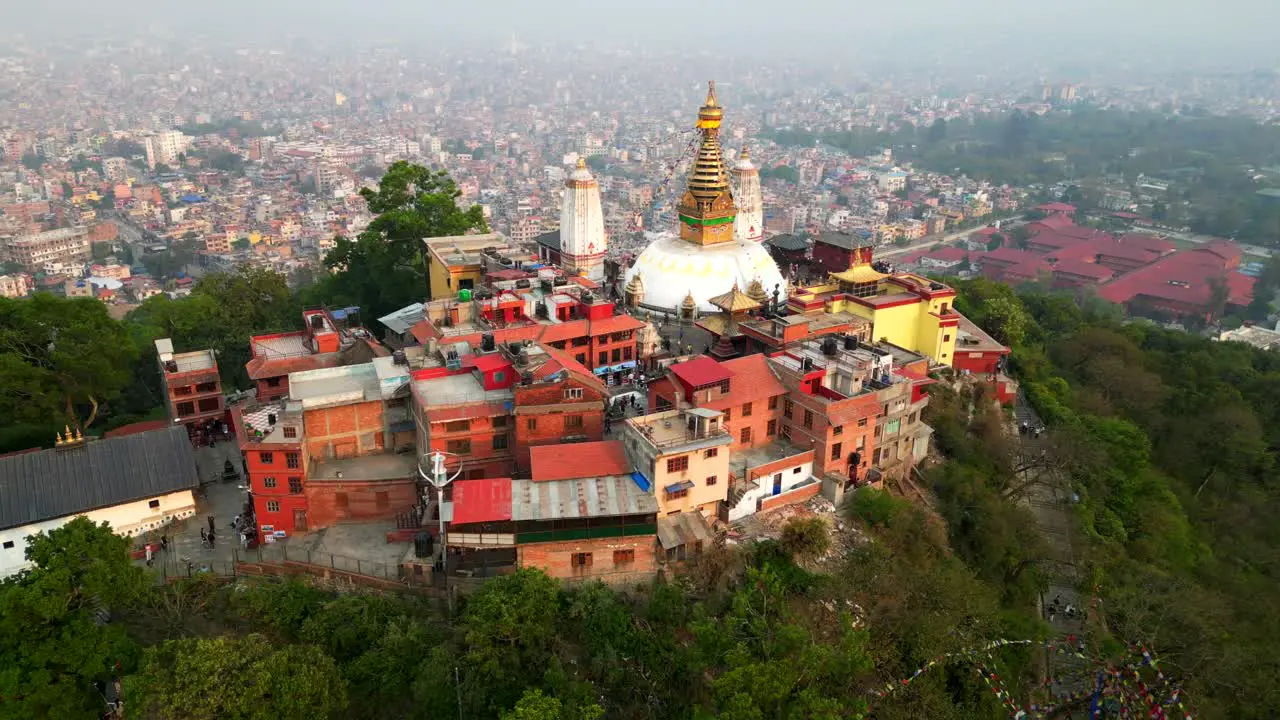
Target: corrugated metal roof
[56,483]
[682,529]
[612,495]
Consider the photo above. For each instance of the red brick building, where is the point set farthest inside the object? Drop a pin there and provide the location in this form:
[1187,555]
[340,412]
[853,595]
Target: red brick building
[561,402]
[271,443]
[324,343]
[837,252]
[583,528]
[465,411]
[192,385]
[584,326]
[744,389]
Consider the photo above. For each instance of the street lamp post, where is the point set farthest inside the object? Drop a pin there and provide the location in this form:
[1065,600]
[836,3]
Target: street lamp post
[439,476]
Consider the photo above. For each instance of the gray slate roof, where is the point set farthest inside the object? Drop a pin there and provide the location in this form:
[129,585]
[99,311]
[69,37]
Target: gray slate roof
[549,239]
[787,242]
[56,483]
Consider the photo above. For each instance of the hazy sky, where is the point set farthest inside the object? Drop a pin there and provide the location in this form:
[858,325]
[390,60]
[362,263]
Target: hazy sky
[1173,32]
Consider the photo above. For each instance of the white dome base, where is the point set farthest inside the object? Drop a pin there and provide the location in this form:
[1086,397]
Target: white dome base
[672,268]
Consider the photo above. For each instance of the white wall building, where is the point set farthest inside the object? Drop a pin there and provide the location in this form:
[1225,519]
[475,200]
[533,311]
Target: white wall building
[135,483]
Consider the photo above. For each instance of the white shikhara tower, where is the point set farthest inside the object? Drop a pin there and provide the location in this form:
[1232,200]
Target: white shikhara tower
[582,239]
[749,224]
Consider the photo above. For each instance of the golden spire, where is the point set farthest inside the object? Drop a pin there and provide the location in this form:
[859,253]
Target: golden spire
[707,209]
[757,292]
[582,162]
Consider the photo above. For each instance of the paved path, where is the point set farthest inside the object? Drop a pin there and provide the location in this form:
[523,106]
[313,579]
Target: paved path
[221,500]
[1052,513]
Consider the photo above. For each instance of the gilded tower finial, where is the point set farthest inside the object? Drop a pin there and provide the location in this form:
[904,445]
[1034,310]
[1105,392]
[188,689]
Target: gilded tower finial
[582,162]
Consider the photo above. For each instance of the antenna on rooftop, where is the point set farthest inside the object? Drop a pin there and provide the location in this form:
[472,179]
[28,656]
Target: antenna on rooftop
[437,474]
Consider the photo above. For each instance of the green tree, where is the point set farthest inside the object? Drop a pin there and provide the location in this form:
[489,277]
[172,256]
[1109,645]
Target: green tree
[107,201]
[534,705]
[411,203]
[61,359]
[57,631]
[806,538]
[101,251]
[241,243]
[236,678]
[938,131]
[32,161]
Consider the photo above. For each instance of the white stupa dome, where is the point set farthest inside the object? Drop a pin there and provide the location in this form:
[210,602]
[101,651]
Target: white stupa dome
[673,268]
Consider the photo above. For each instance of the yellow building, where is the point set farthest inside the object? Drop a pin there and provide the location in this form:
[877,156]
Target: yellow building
[684,456]
[904,309]
[459,262]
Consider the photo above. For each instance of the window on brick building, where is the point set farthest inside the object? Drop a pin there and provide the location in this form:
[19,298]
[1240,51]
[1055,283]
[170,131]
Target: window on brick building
[772,428]
[457,426]
[273,382]
[712,480]
[787,406]
[773,402]
[381,500]
[746,409]
[580,561]
[728,415]
[341,500]
[616,355]
[604,357]
[208,404]
[291,432]
[710,452]
[837,430]
[745,435]
[573,394]
[500,421]
[835,451]
[207,387]
[581,341]
[581,358]
[911,419]
[572,422]
[186,408]
[295,485]
[499,442]
[292,460]
[459,447]
[862,422]
[624,557]
[499,376]
[273,506]
[268,482]
[946,338]
[785,432]
[626,353]
[878,431]
[266,458]
[808,419]
[678,464]
[677,494]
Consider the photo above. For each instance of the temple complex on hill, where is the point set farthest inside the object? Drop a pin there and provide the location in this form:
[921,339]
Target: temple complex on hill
[718,245]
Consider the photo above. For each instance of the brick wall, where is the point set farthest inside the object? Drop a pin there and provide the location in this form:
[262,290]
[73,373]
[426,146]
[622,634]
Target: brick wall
[556,558]
[791,497]
[757,422]
[330,502]
[546,407]
[344,431]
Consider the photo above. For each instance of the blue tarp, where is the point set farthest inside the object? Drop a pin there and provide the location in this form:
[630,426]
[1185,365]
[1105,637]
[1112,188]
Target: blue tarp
[192,199]
[641,481]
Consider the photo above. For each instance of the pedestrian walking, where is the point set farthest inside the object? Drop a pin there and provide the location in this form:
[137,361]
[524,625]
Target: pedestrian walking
[210,524]
[204,537]
[164,542]
[211,540]
[149,554]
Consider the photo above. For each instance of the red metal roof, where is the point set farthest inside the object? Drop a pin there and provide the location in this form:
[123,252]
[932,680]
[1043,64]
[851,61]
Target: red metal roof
[1072,266]
[578,460]
[477,501]
[261,368]
[617,323]
[700,371]
[1182,277]
[1057,207]
[486,363]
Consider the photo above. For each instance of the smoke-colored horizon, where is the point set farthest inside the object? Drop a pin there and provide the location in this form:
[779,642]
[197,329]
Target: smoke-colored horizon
[1148,33]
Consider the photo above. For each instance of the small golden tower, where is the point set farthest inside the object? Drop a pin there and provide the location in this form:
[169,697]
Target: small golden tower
[707,209]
